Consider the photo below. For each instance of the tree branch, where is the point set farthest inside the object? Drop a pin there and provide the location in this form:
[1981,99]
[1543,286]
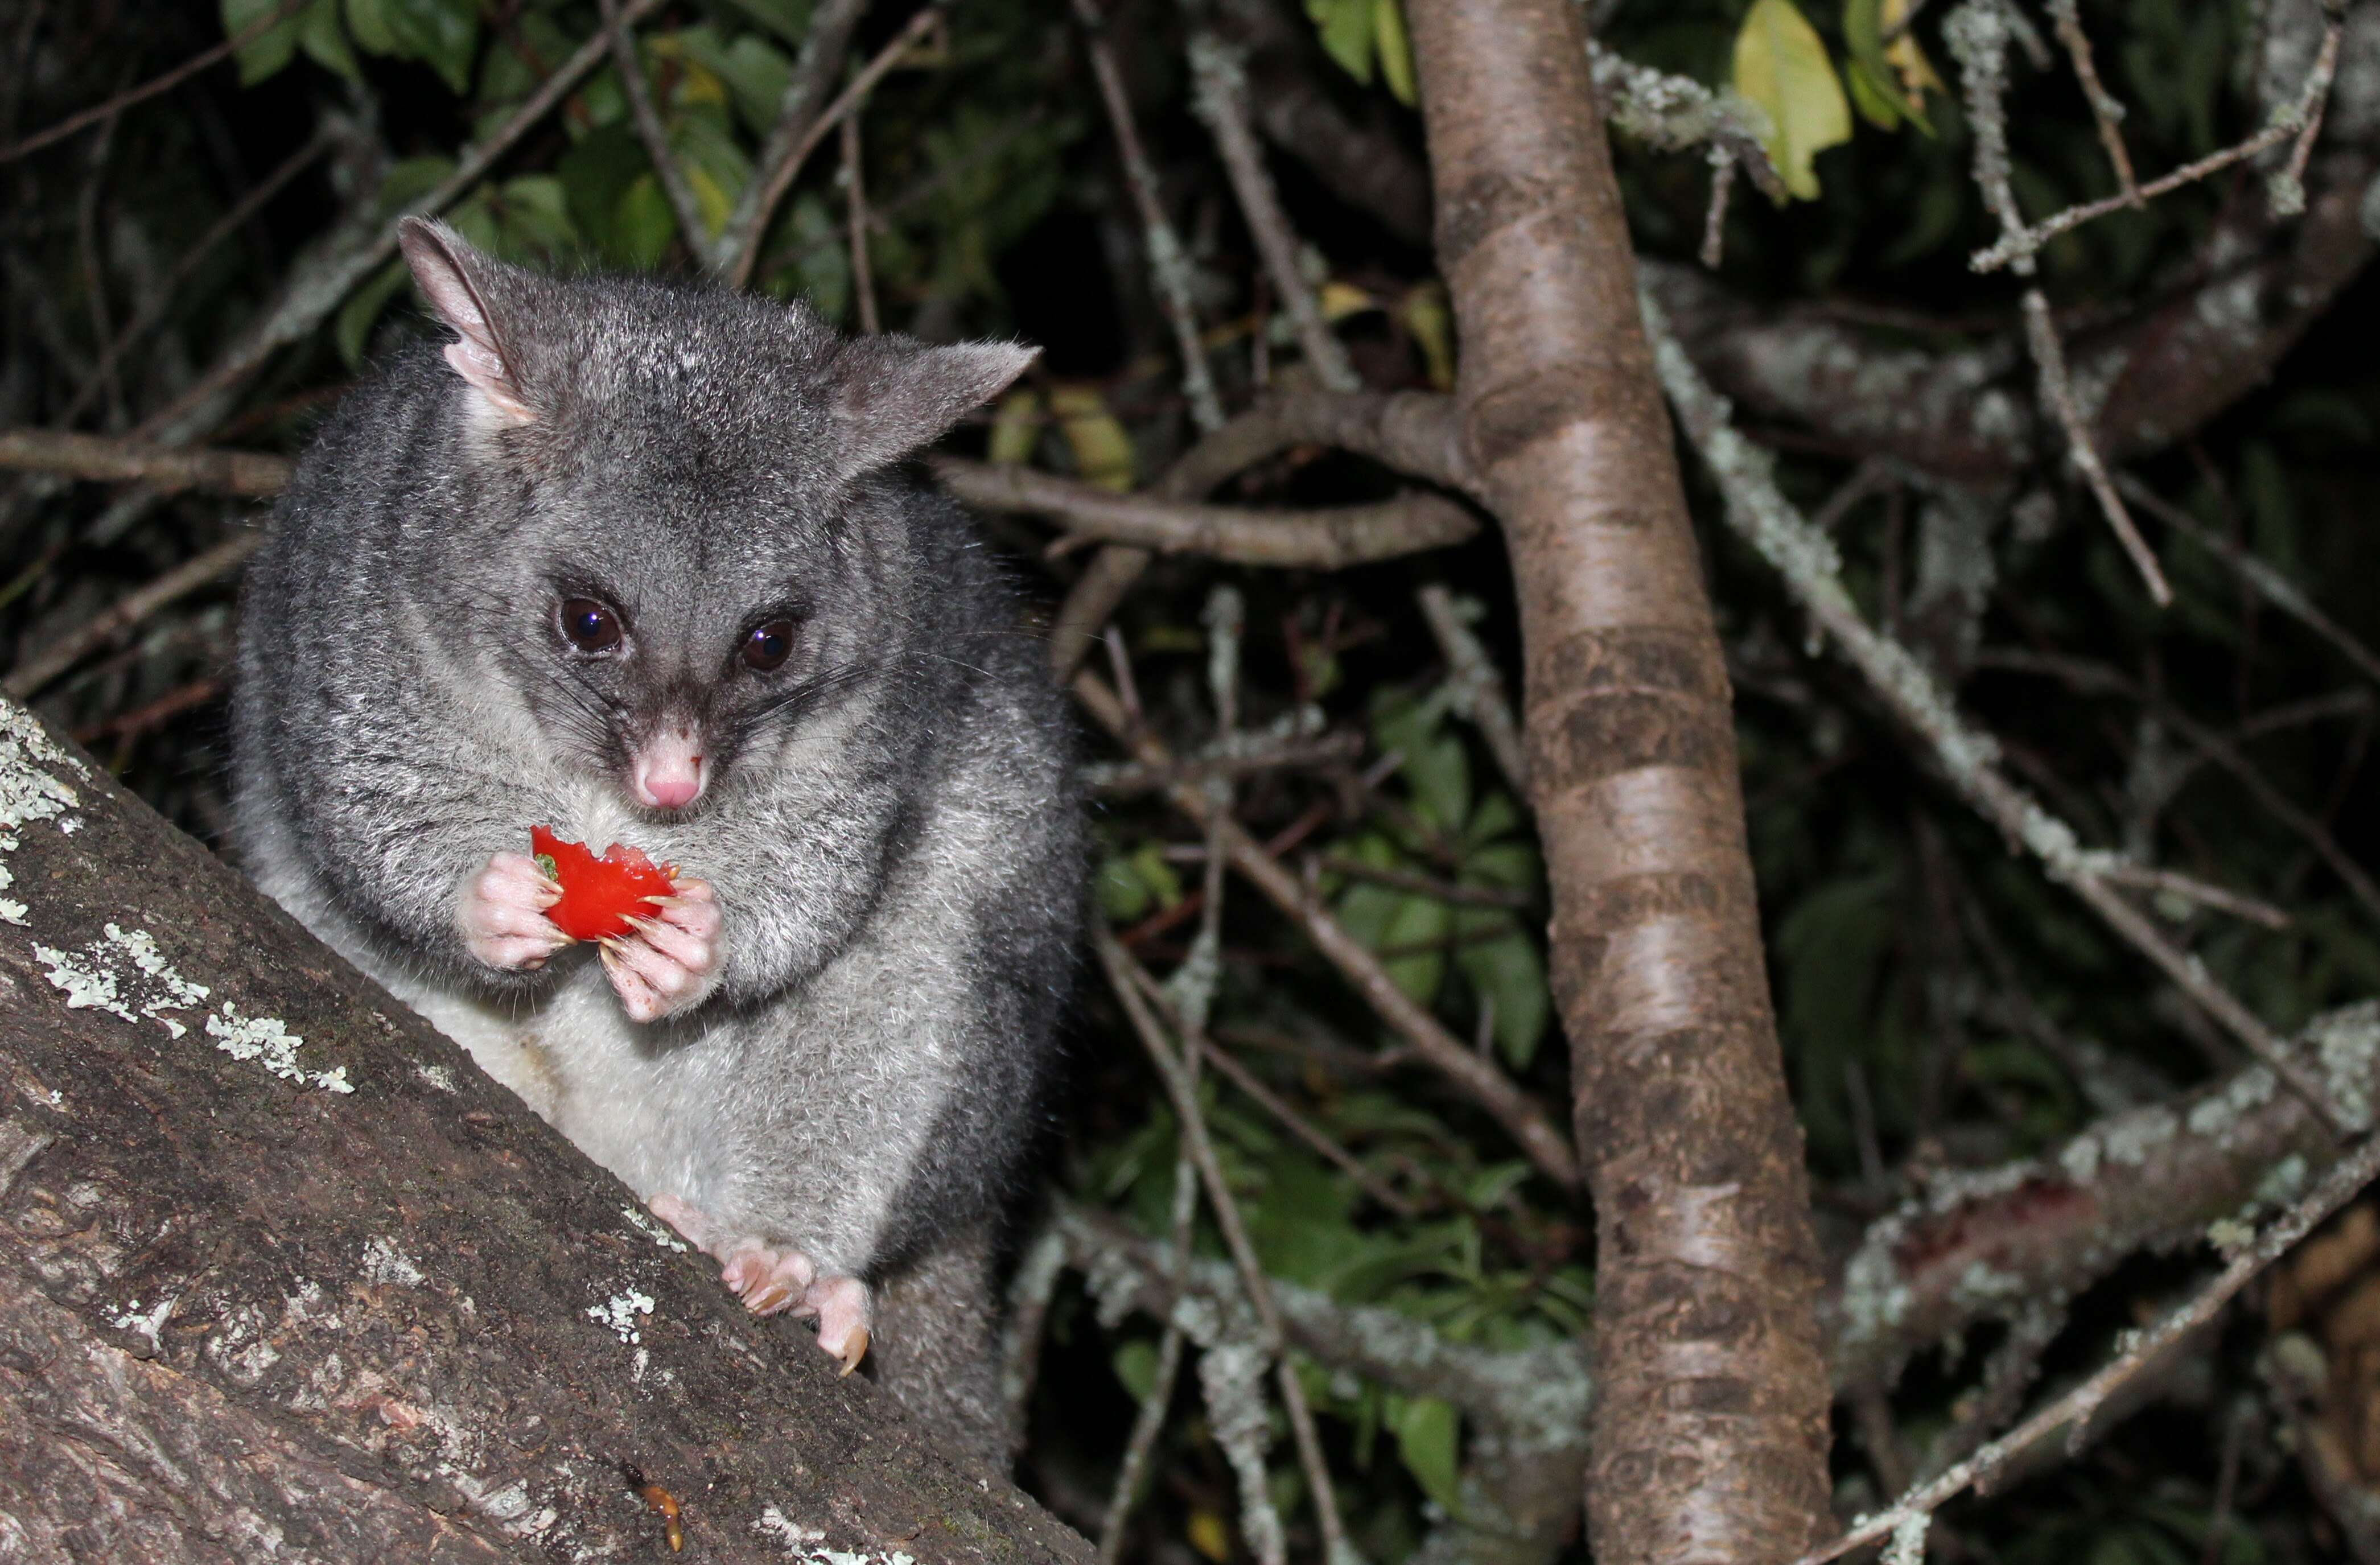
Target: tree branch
[1326,540]
[278,1260]
[1711,1420]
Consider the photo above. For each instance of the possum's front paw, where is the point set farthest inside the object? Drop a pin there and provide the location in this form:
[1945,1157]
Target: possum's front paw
[671,961]
[502,914]
[771,1282]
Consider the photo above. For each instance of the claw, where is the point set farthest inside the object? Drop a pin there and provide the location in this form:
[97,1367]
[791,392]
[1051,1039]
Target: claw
[855,1348]
[768,1299]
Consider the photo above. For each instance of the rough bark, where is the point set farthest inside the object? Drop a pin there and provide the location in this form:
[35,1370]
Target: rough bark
[282,1274]
[1710,1422]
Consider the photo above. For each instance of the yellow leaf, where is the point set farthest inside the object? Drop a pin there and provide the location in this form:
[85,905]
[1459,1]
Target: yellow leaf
[1425,315]
[1908,60]
[1338,300]
[1210,1536]
[1782,65]
[1395,49]
[1103,453]
[1016,427]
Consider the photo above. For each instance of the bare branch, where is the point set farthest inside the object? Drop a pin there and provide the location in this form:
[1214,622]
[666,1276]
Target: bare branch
[1478,1078]
[165,82]
[1969,759]
[2067,16]
[650,131]
[2139,1349]
[103,458]
[2057,390]
[2300,119]
[1222,102]
[815,68]
[1478,687]
[1325,540]
[317,286]
[2275,587]
[739,250]
[129,611]
[1169,262]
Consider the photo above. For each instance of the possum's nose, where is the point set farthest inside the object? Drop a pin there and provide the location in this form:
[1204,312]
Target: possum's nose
[670,772]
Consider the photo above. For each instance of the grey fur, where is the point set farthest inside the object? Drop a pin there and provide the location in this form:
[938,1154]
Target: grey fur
[897,846]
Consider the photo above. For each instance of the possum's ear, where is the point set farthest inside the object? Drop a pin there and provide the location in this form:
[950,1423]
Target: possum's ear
[894,394]
[458,281]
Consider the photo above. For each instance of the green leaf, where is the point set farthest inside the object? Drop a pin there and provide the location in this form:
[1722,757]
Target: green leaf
[1346,30]
[269,50]
[1427,1432]
[326,40]
[1875,104]
[1437,768]
[441,34]
[1508,972]
[368,19]
[1396,50]
[642,223]
[1782,65]
[754,70]
[1135,1366]
[363,311]
[789,19]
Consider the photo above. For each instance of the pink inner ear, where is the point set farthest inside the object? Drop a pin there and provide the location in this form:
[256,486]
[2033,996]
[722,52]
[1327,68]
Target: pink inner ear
[477,364]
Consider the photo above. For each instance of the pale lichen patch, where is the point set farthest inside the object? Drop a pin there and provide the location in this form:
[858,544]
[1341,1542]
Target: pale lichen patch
[385,1264]
[808,1544]
[268,1041]
[620,1311]
[652,1228]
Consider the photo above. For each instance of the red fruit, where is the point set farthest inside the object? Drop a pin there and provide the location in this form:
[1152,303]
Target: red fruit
[598,895]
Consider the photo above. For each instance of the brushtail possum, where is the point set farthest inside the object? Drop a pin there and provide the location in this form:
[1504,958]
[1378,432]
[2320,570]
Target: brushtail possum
[646,562]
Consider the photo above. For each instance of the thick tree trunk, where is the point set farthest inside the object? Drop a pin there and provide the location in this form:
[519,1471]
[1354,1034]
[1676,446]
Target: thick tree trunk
[1711,1425]
[283,1274]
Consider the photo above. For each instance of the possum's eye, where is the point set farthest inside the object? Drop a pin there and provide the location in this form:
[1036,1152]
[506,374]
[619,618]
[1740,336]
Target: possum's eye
[589,626]
[767,646]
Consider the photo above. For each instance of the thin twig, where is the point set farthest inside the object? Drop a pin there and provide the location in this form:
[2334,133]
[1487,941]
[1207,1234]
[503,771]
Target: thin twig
[1722,167]
[2057,390]
[168,291]
[2275,587]
[1304,1129]
[2173,882]
[94,271]
[2020,242]
[2337,1187]
[855,189]
[1139,994]
[651,132]
[129,611]
[814,71]
[1813,571]
[1220,100]
[2087,675]
[319,288]
[737,268]
[140,719]
[1478,687]
[1169,262]
[155,84]
[1520,1116]
[2068,18]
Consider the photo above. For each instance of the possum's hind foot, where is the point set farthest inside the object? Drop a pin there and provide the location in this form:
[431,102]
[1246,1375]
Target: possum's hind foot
[772,1279]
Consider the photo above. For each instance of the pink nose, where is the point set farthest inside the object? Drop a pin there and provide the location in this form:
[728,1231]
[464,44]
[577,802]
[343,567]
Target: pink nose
[668,774]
